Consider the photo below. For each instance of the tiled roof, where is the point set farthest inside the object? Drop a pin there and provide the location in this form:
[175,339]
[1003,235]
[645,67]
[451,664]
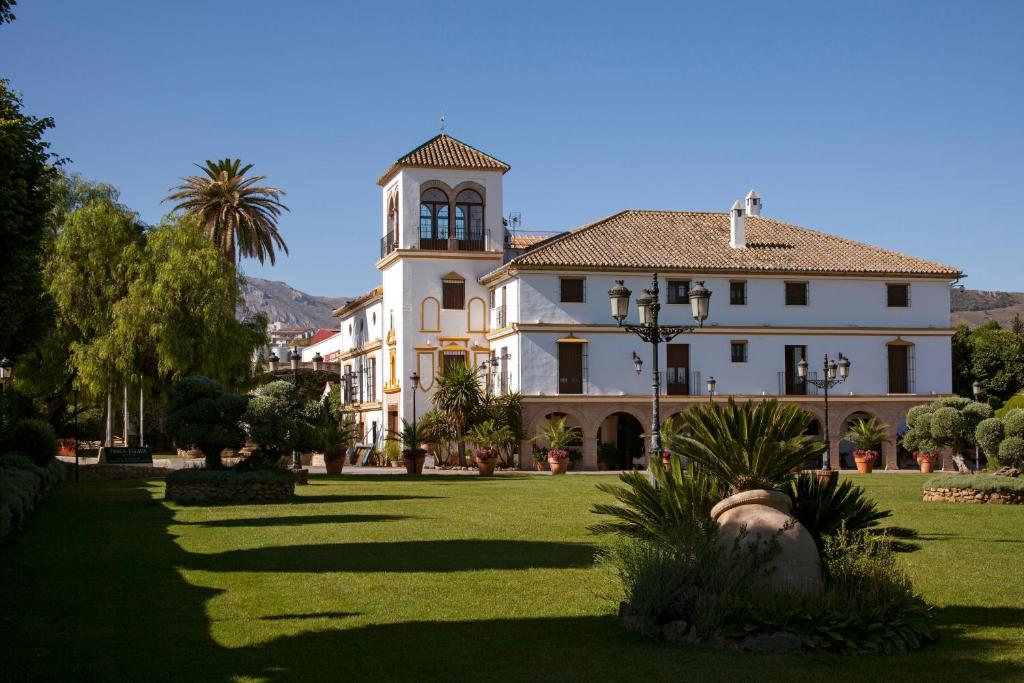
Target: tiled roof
[444,151]
[357,302]
[524,241]
[699,241]
[322,334]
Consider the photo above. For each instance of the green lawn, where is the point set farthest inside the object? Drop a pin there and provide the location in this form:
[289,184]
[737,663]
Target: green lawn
[453,578]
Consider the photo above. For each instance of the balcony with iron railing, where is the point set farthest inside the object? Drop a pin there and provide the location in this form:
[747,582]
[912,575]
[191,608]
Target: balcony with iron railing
[460,240]
[498,319]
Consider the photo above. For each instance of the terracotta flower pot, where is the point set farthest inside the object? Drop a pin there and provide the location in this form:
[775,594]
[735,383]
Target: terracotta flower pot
[413,466]
[334,466]
[486,466]
[558,466]
[541,465]
[603,466]
[927,466]
[759,517]
[864,466]
[824,476]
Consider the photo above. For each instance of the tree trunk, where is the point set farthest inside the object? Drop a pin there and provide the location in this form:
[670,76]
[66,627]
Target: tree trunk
[462,449]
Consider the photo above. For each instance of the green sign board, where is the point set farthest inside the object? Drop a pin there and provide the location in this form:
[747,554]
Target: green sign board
[130,455]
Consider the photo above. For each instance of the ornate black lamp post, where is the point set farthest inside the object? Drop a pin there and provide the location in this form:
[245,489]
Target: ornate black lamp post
[6,375]
[828,380]
[294,357]
[415,379]
[711,389]
[650,330]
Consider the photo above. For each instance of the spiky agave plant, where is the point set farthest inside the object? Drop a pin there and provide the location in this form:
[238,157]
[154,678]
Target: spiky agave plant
[748,445]
[674,510]
[826,505]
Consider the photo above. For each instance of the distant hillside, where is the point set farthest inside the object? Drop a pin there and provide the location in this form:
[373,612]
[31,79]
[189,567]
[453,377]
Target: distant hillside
[283,303]
[974,306]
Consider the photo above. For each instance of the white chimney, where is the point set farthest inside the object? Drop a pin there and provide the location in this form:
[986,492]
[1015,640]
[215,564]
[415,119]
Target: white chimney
[737,227]
[753,204]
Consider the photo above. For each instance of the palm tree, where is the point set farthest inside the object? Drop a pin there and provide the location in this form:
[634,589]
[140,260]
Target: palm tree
[237,215]
[459,397]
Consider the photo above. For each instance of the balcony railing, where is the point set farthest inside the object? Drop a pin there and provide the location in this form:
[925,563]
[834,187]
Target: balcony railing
[474,240]
[498,319]
[388,243]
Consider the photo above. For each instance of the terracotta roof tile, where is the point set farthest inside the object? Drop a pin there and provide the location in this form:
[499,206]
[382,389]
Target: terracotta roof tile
[699,241]
[444,151]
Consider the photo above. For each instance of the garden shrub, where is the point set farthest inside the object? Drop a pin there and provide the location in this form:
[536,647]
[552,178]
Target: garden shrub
[989,434]
[947,424]
[22,485]
[989,483]
[202,416]
[1013,422]
[1011,452]
[202,475]
[34,439]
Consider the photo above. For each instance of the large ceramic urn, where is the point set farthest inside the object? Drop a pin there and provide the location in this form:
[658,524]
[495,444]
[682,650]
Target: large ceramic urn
[765,515]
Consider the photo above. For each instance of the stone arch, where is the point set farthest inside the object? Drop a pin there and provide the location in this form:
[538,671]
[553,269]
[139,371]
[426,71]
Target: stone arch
[430,314]
[623,430]
[470,185]
[846,448]
[541,415]
[437,184]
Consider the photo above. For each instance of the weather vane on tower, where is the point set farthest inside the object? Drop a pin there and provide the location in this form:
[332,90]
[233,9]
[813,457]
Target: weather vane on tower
[442,123]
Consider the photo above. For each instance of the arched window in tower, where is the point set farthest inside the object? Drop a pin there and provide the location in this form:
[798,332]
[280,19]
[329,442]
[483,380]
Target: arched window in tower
[469,216]
[433,219]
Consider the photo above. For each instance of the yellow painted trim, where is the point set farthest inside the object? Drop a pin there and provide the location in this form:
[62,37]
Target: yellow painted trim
[387,261]
[392,390]
[453,347]
[571,339]
[437,317]
[362,351]
[426,347]
[469,315]
[462,339]
[424,375]
[454,276]
[810,330]
[480,347]
[501,333]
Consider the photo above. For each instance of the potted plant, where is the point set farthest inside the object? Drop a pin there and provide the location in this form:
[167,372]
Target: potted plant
[607,456]
[868,435]
[413,456]
[558,437]
[486,437]
[926,461]
[337,435]
[540,458]
[754,447]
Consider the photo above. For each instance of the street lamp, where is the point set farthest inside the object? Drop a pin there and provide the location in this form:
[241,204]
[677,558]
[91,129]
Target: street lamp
[829,379]
[711,388]
[318,362]
[638,363]
[294,357]
[651,331]
[976,390]
[415,379]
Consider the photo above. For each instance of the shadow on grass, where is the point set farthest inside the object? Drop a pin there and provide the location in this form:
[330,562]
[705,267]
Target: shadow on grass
[399,556]
[301,499]
[310,615]
[424,478]
[100,597]
[294,520]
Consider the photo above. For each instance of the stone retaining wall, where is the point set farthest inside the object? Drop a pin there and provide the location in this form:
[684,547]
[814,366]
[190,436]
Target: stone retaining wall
[955,495]
[230,492]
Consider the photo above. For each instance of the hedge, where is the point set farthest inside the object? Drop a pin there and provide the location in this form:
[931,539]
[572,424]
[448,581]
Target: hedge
[978,482]
[22,485]
[200,475]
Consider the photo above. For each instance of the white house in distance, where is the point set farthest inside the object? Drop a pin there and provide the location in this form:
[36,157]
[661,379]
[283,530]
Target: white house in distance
[457,287]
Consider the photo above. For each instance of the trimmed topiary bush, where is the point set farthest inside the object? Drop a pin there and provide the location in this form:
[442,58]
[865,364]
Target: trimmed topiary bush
[989,434]
[1013,422]
[1011,452]
[202,416]
[35,439]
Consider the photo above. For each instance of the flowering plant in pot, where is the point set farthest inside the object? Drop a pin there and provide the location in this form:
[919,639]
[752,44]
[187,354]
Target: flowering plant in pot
[540,458]
[754,447]
[926,461]
[868,435]
[338,436]
[559,437]
[486,436]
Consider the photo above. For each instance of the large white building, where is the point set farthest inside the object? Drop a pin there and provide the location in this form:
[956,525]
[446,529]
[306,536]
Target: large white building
[456,287]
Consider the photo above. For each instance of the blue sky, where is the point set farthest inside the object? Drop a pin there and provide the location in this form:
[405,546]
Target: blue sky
[895,123]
